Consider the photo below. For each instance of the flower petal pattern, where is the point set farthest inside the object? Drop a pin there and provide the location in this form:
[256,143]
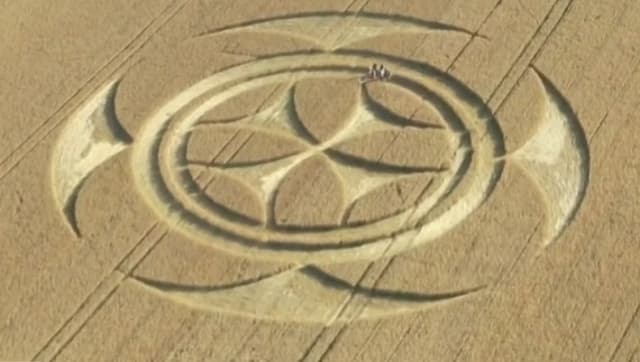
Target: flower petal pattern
[233,196]
[310,196]
[324,106]
[238,146]
[405,148]
[397,103]
[388,199]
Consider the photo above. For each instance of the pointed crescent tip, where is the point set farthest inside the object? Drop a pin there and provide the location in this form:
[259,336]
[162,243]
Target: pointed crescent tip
[467,293]
[70,212]
[151,285]
[547,84]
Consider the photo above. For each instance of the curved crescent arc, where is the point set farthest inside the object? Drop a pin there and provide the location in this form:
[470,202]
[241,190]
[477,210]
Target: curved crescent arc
[306,294]
[557,159]
[91,136]
[333,30]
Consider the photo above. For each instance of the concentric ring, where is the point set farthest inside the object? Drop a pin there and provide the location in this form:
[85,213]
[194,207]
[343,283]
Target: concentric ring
[156,157]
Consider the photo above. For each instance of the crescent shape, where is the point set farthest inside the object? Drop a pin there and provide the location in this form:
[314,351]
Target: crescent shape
[306,294]
[557,159]
[333,30]
[90,137]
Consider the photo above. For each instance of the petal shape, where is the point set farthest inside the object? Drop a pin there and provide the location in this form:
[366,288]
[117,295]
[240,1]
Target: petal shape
[231,195]
[310,196]
[388,199]
[409,148]
[397,104]
[324,106]
[246,104]
[236,146]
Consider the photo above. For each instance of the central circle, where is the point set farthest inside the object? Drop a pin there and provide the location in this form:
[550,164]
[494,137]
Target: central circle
[170,188]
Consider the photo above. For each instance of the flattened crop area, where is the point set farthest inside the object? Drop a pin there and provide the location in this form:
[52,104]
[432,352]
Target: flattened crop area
[233,181]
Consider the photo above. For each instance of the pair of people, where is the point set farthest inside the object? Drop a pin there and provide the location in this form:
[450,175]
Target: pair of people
[377,73]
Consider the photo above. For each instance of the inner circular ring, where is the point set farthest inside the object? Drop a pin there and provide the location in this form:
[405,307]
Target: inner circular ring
[175,159]
[148,151]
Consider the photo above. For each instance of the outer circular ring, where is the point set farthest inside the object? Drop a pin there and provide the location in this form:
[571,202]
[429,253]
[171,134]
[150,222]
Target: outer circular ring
[160,138]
